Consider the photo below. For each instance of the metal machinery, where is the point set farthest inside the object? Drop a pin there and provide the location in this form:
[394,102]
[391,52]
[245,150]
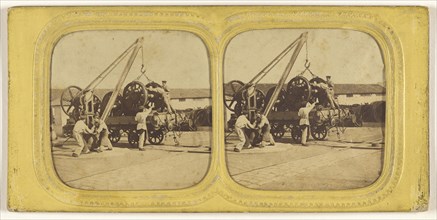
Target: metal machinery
[119,106]
[281,105]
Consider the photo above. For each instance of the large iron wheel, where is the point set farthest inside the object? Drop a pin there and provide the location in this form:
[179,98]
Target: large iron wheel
[114,135]
[70,100]
[117,107]
[156,136]
[233,95]
[280,103]
[319,132]
[299,89]
[134,96]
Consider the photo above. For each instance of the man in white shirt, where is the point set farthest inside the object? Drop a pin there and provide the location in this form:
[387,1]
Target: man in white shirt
[264,126]
[141,119]
[304,120]
[102,136]
[80,129]
[241,126]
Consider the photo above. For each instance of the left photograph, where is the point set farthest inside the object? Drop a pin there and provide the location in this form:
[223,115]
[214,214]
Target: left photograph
[130,110]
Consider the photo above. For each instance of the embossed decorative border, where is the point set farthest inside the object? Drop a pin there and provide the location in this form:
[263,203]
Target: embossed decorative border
[83,20]
[216,26]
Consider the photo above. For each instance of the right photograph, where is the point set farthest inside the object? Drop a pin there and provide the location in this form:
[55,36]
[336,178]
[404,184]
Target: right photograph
[304,109]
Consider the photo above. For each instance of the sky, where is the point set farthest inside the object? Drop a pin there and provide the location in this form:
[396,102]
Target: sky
[178,57]
[347,56]
[181,57]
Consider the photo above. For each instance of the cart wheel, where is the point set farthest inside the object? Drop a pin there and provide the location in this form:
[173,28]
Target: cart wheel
[232,96]
[156,136]
[296,134]
[114,135]
[70,101]
[133,137]
[277,130]
[319,132]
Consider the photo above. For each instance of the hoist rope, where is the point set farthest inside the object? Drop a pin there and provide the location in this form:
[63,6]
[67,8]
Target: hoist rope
[307,63]
[143,67]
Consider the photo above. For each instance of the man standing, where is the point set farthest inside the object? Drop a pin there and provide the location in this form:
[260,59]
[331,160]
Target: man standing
[102,134]
[164,92]
[141,119]
[329,93]
[80,130]
[241,126]
[304,120]
[265,127]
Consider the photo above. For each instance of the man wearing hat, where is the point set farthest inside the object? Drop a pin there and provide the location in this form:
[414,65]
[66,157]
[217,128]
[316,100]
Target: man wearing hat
[166,96]
[102,136]
[141,119]
[241,127]
[330,92]
[328,88]
[80,130]
[163,91]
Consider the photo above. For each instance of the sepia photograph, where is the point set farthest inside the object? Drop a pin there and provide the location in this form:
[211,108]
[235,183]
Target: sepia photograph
[130,110]
[304,109]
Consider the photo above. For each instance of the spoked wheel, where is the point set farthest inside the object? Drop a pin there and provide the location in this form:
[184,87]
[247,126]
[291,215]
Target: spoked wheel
[233,95]
[133,137]
[156,136]
[259,96]
[134,96]
[280,103]
[277,130]
[117,107]
[70,101]
[299,89]
[114,135]
[319,132]
[296,134]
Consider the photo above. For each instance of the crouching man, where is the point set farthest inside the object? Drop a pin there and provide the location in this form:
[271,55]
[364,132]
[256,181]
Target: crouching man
[241,128]
[102,136]
[83,136]
[264,126]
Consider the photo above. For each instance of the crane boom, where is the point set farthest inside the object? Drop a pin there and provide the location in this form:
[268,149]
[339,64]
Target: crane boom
[301,41]
[137,45]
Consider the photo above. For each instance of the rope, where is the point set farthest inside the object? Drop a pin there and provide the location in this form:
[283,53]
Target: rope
[143,69]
